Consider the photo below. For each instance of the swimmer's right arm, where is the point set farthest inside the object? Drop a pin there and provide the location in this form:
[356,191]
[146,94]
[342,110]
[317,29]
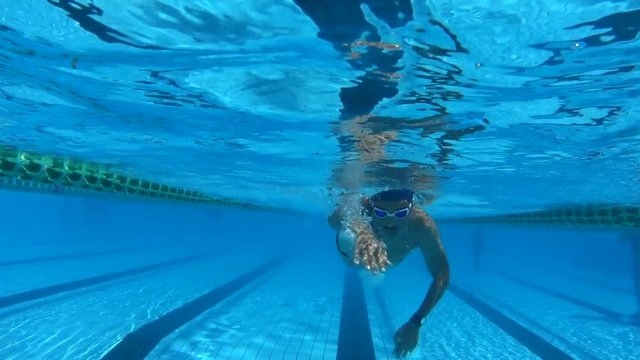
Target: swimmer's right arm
[369,251]
[336,218]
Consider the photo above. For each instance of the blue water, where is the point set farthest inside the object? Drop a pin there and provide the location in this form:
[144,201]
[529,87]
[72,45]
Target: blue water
[481,107]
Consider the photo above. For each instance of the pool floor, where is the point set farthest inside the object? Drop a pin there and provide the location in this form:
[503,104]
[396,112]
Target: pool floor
[167,303]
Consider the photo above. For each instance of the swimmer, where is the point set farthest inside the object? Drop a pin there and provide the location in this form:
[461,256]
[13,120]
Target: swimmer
[381,234]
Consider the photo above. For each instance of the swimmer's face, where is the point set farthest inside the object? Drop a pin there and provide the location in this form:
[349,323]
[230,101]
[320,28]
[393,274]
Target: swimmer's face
[391,214]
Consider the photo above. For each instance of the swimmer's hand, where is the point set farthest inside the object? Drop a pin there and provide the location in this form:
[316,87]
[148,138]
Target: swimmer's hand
[406,339]
[370,252]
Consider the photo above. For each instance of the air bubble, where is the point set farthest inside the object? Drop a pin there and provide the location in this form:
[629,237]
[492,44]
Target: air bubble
[577,45]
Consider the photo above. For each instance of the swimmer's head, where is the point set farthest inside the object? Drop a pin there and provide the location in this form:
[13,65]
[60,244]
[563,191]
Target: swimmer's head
[390,208]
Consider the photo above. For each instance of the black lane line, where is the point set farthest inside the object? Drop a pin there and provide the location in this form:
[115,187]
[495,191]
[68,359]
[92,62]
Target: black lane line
[526,337]
[572,347]
[63,257]
[139,343]
[602,285]
[575,301]
[40,293]
[42,243]
[585,280]
[354,340]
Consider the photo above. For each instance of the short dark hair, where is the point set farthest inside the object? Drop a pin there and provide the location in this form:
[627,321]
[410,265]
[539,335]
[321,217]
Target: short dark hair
[394,195]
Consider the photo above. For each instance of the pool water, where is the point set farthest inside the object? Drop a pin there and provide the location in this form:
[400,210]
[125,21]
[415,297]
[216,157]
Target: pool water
[167,169]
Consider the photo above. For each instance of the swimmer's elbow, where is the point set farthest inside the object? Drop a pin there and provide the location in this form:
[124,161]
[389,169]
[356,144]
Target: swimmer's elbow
[442,277]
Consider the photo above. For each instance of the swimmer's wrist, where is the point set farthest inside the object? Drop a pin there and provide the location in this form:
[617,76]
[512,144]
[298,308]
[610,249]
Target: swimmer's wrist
[416,320]
[361,231]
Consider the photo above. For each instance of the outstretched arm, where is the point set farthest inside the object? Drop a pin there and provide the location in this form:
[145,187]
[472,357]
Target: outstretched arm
[369,251]
[338,215]
[338,220]
[406,338]
[438,265]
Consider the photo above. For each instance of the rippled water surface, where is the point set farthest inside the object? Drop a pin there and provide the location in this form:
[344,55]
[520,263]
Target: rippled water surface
[481,106]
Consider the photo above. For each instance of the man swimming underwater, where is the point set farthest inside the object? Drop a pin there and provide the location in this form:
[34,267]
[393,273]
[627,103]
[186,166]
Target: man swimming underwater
[381,234]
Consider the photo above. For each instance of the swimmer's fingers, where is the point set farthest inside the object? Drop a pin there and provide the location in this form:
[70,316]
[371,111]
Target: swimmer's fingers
[356,256]
[363,258]
[371,254]
[361,253]
[381,258]
[376,255]
[360,256]
[379,255]
[370,260]
[367,258]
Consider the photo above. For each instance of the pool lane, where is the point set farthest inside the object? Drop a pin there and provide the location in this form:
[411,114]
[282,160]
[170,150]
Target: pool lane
[55,329]
[532,341]
[19,279]
[453,330]
[52,290]
[295,313]
[65,256]
[580,327]
[354,339]
[137,344]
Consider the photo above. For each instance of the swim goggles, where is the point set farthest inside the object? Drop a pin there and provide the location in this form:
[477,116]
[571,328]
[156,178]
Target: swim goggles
[398,214]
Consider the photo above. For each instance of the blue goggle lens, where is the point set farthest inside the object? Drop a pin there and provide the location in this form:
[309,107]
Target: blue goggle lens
[399,214]
[379,212]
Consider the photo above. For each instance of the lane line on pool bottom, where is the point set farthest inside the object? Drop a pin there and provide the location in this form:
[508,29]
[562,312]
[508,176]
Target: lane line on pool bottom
[354,339]
[42,243]
[532,341]
[575,301]
[35,294]
[594,283]
[139,343]
[543,329]
[63,257]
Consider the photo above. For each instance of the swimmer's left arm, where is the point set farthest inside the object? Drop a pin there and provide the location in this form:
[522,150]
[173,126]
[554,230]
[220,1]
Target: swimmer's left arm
[438,265]
[406,338]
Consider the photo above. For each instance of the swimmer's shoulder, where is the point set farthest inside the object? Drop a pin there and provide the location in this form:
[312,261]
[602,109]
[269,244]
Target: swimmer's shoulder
[425,228]
[422,220]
